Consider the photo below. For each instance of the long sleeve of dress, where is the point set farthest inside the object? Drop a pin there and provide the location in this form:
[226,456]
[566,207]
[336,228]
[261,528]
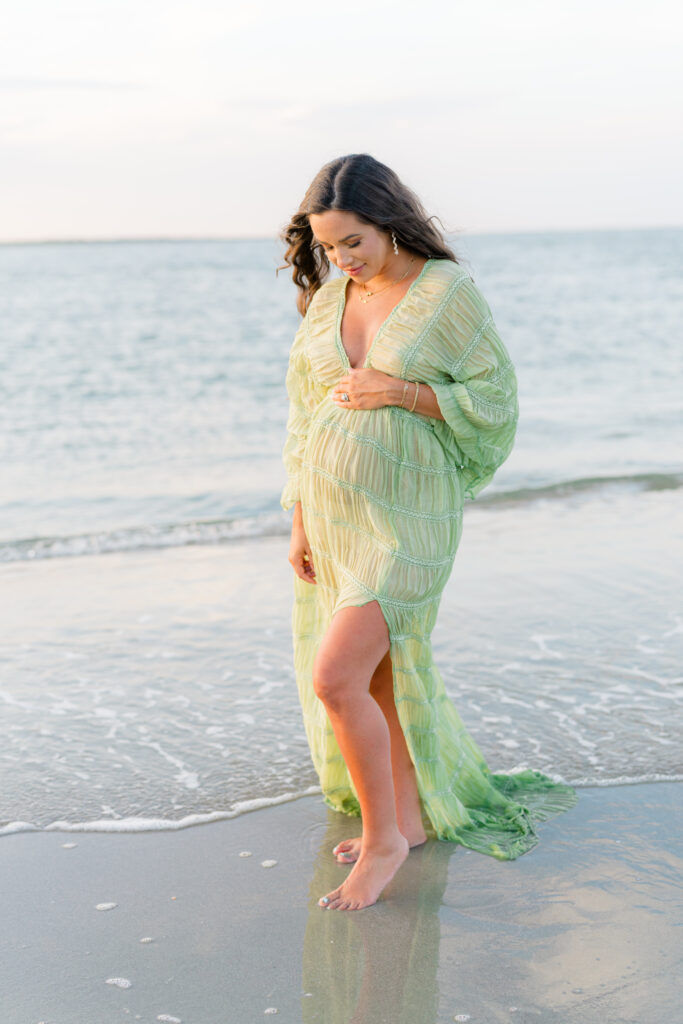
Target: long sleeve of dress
[298,383]
[478,393]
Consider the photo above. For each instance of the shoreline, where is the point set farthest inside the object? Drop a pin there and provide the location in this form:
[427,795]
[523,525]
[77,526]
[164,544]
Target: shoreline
[581,930]
[137,825]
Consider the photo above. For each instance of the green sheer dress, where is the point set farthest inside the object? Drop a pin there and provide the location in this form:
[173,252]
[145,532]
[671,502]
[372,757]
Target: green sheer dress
[382,494]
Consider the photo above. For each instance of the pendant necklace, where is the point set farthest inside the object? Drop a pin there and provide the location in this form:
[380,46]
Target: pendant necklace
[371,295]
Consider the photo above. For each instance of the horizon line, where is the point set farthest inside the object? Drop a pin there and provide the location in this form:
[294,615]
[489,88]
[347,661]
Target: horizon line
[127,239]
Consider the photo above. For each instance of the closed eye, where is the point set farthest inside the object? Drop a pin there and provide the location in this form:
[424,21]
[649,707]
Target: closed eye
[350,245]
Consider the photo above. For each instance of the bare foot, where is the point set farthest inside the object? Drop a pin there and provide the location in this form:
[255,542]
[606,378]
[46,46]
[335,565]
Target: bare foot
[371,873]
[348,851]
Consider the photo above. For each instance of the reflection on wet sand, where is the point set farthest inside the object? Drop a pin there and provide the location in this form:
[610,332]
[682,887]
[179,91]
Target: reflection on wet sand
[581,930]
[379,964]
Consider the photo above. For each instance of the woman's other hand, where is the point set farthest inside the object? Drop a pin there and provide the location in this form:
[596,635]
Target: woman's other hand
[367,389]
[300,557]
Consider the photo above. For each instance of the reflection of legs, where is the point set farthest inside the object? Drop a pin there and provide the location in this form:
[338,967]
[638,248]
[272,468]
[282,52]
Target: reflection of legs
[366,968]
[408,810]
[349,654]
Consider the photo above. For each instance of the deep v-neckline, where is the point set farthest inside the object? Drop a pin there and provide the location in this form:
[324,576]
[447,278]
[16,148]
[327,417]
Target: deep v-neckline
[343,355]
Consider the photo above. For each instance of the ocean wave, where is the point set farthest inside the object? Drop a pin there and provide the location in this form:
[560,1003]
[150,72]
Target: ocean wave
[567,488]
[171,535]
[278,523]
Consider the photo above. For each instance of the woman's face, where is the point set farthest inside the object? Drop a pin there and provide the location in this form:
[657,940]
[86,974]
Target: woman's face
[361,250]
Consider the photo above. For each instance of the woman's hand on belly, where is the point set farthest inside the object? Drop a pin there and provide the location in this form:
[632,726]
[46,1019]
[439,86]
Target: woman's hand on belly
[367,388]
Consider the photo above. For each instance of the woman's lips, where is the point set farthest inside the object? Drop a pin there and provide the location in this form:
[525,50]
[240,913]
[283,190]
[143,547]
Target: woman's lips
[354,270]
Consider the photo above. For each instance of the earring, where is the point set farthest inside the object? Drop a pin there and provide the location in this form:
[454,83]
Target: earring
[393,239]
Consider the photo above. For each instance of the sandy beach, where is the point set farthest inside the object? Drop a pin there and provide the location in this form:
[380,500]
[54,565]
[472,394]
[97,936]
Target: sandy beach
[582,930]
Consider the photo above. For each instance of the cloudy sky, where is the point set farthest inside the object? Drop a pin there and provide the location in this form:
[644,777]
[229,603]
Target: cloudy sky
[139,118]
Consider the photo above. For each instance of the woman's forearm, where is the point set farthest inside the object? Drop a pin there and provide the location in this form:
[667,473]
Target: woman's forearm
[426,405]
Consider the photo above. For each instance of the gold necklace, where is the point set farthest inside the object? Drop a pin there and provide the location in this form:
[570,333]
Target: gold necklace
[371,295]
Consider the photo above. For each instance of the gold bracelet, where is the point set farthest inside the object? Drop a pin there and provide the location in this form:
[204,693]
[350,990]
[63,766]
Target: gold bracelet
[403,396]
[417,392]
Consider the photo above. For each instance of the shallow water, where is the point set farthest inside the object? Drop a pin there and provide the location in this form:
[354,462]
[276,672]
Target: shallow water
[159,684]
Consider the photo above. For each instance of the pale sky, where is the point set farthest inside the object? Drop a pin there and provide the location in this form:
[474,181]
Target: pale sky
[143,118]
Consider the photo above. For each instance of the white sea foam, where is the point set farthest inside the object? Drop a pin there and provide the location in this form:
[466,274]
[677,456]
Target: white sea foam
[543,649]
[18,826]
[586,781]
[160,824]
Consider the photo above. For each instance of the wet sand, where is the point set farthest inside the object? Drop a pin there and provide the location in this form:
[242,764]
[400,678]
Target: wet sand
[585,929]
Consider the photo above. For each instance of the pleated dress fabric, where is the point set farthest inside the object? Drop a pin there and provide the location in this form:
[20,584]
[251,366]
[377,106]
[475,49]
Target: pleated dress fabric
[382,495]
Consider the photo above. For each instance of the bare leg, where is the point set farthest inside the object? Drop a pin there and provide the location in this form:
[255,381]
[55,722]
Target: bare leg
[352,648]
[408,809]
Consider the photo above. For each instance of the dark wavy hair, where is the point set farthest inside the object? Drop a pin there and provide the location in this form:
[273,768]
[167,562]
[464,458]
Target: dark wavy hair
[361,185]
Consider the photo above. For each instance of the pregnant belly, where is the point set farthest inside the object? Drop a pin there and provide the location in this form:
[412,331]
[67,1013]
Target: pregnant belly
[359,445]
[380,497]
[390,455]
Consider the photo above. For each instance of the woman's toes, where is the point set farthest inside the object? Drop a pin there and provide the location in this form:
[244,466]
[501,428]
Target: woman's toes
[348,851]
[346,845]
[327,902]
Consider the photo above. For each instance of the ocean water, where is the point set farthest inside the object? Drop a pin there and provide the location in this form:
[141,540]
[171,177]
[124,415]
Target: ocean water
[145,655]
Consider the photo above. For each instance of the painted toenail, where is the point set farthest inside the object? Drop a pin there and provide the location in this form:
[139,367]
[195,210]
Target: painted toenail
[325,900]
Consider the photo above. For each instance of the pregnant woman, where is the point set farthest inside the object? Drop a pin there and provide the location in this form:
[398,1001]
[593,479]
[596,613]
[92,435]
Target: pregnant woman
[402,402]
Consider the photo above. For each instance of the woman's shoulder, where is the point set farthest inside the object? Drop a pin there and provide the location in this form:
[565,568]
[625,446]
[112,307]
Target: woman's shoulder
[328,291]
[448,272]
[456,286]
[438,286]
[325,300]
